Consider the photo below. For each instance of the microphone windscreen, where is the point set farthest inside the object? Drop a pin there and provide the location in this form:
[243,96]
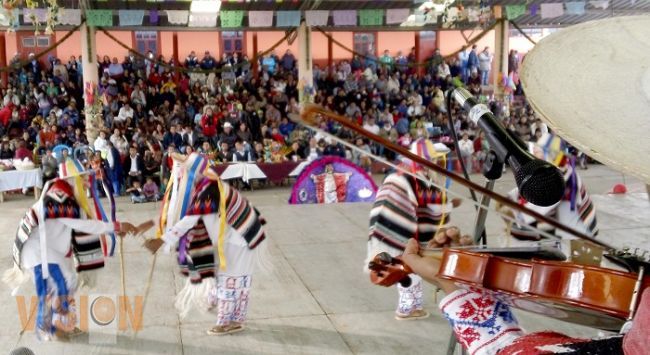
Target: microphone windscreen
[540,183]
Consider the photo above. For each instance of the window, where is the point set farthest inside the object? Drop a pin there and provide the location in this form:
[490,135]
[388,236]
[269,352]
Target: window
[232,41]
[146,41]
[42,42]
[28,42]
[364,43]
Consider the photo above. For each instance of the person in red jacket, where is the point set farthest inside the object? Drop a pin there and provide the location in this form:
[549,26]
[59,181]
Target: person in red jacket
[209,124]
[5,114]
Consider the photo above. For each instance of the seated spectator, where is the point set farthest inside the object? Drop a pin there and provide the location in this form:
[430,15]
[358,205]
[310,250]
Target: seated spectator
[240,154]
[22,152]
[224,155]
[136,192]
[150,190]
[172,137]
[133,166]
[228,136]
[296,152]
[6,152]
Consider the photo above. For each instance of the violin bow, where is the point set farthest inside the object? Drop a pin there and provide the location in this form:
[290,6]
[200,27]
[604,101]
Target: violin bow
[308,119]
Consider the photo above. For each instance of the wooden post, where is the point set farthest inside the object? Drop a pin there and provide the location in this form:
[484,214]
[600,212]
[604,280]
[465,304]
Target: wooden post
[330,51]
[418,70]
[305,72]
[255,50]
[94,120]
[175,48]
[3,59]
[500,61]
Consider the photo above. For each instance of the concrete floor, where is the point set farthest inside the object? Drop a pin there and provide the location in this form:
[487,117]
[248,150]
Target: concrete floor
[316,300]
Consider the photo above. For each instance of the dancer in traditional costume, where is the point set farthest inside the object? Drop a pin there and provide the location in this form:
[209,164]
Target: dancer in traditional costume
[220,240]
[406,208]
[59,237]
[484,325]
[575,210]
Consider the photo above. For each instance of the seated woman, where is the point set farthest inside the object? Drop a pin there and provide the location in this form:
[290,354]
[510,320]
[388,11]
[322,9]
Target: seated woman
[495,329]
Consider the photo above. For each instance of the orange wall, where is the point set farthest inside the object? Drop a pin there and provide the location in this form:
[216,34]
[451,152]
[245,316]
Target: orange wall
[395,42]
[106,46]
[338,53]
[167,45]
[451,41]
[70,47]
[11,45]
[198,42]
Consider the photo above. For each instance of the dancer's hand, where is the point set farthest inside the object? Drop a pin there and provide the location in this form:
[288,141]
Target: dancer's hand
[143,227]
[153,244]
[126,228]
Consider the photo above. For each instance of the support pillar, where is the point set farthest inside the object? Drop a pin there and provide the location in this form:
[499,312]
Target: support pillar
[175,49]
[330,51]
[92,104]
[3,60]
[500,60]
[175,55]
[255,51]
[418,70]
[305,73]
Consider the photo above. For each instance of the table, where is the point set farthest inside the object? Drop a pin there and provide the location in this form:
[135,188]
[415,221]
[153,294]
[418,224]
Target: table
[19,179]
[272,172]
[244,171]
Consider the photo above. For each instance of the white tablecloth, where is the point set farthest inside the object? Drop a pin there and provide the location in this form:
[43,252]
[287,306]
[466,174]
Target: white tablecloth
[244,171]
[18,179]
[295,172]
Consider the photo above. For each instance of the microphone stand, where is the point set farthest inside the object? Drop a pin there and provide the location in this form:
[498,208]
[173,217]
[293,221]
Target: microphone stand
[492,170]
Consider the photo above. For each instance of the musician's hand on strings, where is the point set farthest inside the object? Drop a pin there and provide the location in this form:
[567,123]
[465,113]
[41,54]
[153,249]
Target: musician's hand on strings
[425,267]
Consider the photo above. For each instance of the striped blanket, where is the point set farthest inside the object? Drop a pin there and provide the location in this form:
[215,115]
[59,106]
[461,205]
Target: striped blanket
[240,215]
[199,255]
[405,208]
[86,249]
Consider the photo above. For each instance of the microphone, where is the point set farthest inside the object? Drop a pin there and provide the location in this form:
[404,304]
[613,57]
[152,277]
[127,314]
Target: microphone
[538,181]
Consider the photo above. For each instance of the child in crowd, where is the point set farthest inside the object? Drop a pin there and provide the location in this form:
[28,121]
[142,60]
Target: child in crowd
[137,193]
[150,190]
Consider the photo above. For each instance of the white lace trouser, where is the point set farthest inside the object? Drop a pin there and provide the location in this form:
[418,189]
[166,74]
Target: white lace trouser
[410,298]
[231,298]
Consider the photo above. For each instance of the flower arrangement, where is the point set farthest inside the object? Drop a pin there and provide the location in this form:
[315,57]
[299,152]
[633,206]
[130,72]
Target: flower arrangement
[50,21]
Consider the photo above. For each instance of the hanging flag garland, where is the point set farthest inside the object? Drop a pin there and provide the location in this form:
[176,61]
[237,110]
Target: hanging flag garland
[514,11]
[99,18]
[288,18]
[131,17]
[231,19]
[371,17]
[317,17]
[260,18]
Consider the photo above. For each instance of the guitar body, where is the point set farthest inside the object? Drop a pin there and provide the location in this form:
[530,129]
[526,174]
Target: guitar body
[586,295]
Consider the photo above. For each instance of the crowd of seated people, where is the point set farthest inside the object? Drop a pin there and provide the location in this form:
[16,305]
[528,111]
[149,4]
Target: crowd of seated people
[150,109]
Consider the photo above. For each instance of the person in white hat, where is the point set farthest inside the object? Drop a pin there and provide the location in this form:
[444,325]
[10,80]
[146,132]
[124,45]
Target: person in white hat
[407,208]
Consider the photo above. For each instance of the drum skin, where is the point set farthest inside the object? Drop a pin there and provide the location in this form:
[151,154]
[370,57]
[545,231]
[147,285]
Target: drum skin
[591,84]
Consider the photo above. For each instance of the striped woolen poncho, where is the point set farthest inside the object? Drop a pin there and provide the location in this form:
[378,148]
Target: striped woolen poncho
[405,208]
